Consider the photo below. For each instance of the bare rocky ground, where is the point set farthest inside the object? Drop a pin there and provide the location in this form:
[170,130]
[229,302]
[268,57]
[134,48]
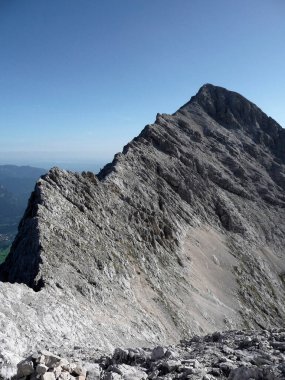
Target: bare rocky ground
[182,234]
[235,355]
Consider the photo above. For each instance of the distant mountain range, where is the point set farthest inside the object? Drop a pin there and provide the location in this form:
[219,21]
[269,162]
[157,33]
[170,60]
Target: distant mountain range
[16,185]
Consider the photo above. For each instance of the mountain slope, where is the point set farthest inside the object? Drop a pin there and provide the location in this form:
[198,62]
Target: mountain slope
[182,233]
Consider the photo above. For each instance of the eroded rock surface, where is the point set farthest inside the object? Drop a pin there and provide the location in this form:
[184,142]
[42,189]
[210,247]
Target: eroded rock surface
[182,234]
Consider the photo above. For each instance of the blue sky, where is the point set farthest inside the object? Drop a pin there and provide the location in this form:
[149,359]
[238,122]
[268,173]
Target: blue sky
[80,78]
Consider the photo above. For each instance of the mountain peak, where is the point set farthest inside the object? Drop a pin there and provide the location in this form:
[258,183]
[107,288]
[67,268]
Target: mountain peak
[197,197]
[207,89]
[216,99]
[236,113]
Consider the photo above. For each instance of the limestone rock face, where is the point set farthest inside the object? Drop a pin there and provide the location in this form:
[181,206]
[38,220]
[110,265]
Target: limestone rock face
[182,233]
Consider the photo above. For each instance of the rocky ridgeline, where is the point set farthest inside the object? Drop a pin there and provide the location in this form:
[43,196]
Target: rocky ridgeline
[235,355]
[182,234]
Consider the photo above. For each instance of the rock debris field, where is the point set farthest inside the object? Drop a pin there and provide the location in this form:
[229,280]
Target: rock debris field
[235,355]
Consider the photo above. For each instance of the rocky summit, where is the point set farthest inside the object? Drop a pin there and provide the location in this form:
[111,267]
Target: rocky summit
[182,234]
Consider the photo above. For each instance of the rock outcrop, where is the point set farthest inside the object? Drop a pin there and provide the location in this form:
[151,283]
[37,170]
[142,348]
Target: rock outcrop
[183,233]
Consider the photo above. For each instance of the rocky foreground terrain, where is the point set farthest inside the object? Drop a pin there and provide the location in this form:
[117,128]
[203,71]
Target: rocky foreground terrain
[182,234]
[235,355]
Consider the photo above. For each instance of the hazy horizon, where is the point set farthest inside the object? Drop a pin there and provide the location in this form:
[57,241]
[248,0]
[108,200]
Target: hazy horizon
[73,166]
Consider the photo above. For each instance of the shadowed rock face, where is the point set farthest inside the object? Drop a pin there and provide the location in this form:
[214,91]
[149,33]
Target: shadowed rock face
[233,111]
[182,233]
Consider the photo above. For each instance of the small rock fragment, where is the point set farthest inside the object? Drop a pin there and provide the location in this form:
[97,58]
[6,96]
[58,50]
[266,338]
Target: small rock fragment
[25,368]
[48,376]
[51,360]
[41,369]
[158,353]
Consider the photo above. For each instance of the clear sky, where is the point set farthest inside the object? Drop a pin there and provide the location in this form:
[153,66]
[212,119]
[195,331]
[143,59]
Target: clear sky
[80,78]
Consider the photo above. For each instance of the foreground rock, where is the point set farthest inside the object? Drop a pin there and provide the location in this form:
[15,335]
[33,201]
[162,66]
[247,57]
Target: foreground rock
[183,233]
[235,355]
[47,366]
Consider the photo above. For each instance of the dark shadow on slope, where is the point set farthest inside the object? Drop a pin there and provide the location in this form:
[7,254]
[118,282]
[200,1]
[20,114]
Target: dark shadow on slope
[24,259]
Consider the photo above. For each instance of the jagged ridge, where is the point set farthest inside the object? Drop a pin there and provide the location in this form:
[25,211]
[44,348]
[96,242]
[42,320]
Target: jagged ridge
[197,197]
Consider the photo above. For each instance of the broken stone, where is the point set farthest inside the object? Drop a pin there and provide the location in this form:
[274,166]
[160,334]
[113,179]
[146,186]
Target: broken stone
[173,365]
[112,376]
[158,353]
[193,362]
[65,376]
[131,372]
[25,368]
[48,376]
[57,371]
[41,369]
[93,371]
[78,371]
[51,360]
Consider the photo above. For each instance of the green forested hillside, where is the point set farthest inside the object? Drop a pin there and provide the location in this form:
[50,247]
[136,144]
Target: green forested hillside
[3,253]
